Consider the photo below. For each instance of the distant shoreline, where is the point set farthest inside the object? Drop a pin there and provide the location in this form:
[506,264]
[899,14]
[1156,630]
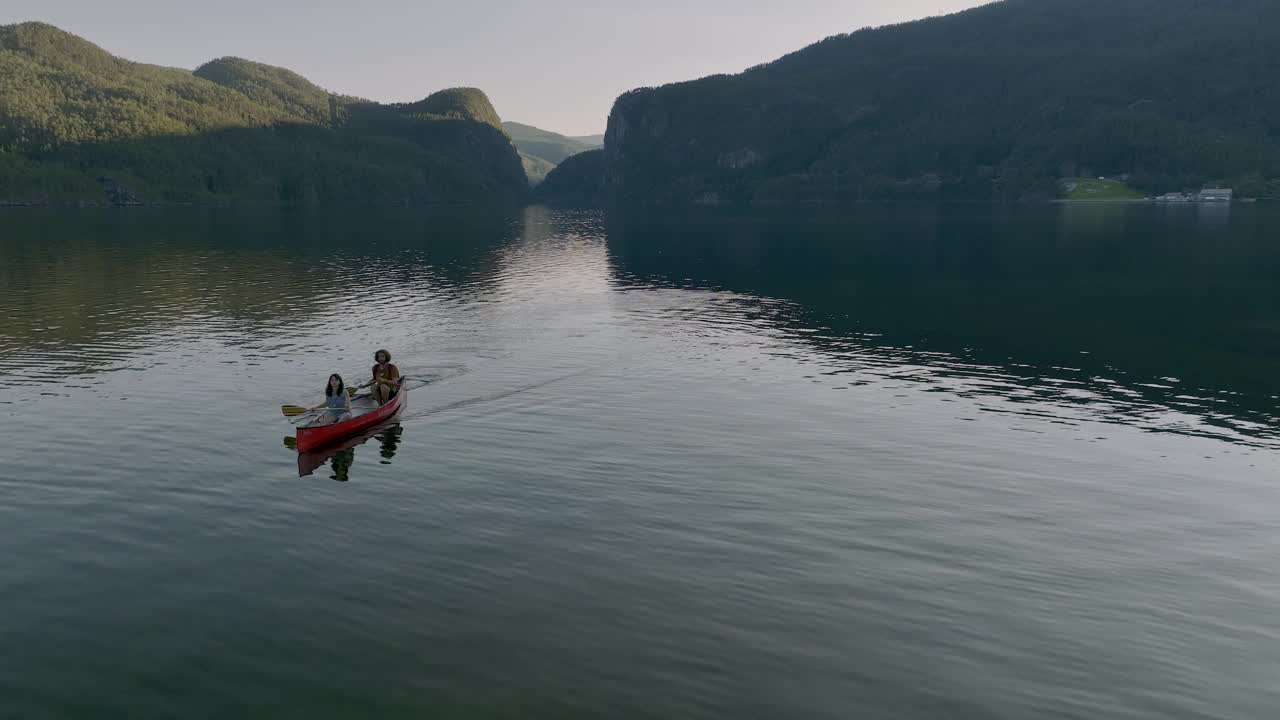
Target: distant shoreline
[229,204]
[232,204]
[1153,201]
[1125,201]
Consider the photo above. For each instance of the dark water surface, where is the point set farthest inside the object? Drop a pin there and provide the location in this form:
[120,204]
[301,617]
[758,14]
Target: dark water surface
[908,464]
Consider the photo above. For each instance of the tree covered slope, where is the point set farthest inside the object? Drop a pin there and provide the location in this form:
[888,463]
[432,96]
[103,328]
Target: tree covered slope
[535,168]
[997,102]
[591,141]
[552,147]
[576,181]
[282,90]
[460,103]
[543,150]
[233,130]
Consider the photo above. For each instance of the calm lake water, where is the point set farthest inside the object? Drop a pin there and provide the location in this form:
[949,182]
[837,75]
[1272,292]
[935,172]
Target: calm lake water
[905,464]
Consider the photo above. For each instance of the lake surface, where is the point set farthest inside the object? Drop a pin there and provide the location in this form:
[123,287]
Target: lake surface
[902,464]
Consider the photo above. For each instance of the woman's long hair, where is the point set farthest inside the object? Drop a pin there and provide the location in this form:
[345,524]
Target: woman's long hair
[328,386]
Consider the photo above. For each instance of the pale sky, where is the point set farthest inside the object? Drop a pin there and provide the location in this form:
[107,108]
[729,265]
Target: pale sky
[556,64]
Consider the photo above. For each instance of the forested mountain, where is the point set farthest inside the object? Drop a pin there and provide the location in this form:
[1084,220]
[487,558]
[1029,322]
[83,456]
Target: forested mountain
[999,102]
[73,119]
[459,103]
[592,141]
[552,147]
[579,180]
[536,168]
[543,150]
[282,90]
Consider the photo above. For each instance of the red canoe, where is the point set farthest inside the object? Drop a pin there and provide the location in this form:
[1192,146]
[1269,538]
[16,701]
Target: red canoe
[365,414]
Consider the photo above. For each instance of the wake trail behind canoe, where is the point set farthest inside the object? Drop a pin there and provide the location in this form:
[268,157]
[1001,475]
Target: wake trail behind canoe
[437,374]
[414,414]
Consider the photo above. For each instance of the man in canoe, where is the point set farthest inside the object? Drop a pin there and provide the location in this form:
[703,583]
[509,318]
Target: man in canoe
[386,377]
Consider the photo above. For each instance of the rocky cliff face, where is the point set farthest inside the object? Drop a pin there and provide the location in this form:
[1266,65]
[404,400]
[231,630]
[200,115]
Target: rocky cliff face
[656,154]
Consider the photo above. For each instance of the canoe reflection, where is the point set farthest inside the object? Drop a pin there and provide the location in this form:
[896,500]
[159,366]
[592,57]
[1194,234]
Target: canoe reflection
[342,456]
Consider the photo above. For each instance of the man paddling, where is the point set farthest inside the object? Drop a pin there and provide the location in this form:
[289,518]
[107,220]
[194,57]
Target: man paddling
[386,377]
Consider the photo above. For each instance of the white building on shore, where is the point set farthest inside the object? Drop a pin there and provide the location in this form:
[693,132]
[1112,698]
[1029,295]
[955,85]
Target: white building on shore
[1216,195]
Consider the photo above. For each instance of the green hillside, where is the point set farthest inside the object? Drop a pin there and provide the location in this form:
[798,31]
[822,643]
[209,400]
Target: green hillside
[57,89]
[549,146]
[536,168]
[232,131]
[1091,189]
[282,90]
[1000,102]
[591,141]
[460,103]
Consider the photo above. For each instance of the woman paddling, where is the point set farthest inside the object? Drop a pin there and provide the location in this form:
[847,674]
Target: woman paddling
[337,403]
[386,377]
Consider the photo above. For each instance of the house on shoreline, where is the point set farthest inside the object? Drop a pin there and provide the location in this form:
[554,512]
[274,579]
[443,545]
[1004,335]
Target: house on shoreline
[1207,195]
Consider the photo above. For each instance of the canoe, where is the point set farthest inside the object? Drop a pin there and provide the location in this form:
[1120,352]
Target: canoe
[365,413]
[309,462]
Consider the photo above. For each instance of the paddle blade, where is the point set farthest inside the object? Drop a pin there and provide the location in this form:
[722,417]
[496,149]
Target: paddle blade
[292,410]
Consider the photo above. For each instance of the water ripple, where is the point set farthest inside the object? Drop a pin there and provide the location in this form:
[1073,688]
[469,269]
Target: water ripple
[619,487]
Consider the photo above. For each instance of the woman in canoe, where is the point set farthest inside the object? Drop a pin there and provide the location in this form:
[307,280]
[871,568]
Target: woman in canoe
[386,377]
[337,403]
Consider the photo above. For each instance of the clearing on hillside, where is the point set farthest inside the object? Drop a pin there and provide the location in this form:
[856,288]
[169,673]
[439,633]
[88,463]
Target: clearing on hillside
[1090,189]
